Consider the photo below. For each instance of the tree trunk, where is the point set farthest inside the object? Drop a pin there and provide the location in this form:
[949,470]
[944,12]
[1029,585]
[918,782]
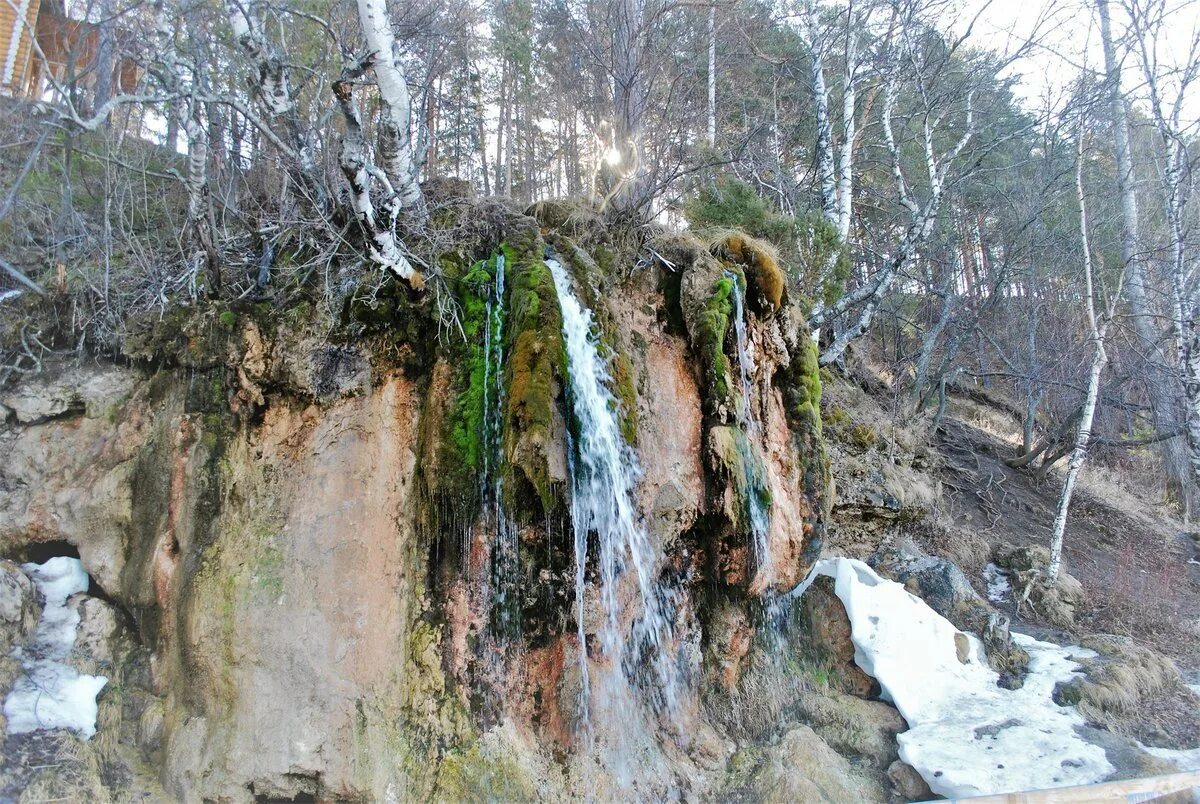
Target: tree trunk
[1098,330]
[712,76]
[1143,316]
[395,124]
[630,96]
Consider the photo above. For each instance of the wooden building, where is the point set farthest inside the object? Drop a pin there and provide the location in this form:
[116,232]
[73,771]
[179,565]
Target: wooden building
[18,23]
[68,49]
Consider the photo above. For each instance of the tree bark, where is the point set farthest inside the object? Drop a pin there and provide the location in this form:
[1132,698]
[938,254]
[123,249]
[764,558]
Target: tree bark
[1143,315]
[395,124]
[1098,330]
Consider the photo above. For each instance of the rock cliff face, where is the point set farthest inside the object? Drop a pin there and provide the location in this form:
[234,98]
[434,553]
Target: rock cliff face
[290,529]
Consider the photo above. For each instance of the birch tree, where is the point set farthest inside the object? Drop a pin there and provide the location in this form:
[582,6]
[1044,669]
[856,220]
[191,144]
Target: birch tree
[1098,332]
[272,88]
[1174,169]
[921,214]
[1131,247]
[397,178]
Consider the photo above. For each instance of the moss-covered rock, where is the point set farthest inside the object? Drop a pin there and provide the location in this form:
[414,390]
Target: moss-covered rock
[479,776]
[537,362]
[765,279]
[800,384]
[708,329]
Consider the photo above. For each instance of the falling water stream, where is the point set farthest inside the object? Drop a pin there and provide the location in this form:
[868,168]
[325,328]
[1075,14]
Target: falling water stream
[759,514]
[505,567]
[604,471]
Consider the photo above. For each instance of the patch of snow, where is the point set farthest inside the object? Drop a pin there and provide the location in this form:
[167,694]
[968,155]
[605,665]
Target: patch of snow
[1183,760]
[967,736]
[51,694]
[998,587]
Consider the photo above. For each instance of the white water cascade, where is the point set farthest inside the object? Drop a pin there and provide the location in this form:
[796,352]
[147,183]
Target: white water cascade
[604,471]
[759,516]
[491,492]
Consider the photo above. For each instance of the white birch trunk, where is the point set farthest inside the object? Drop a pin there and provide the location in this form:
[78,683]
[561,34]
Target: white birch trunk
[825,158]
[1143,316]
[274,94]
[395,125]
[1098,331]
[383,247]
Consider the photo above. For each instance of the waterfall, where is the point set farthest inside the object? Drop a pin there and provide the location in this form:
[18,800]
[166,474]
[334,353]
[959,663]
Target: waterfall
[491,483]
[604,472]
[758,514]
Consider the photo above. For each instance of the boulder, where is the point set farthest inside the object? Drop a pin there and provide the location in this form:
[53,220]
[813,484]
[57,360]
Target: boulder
[74,390]
[828,627]
[802,767]
[908,783]
[98,640]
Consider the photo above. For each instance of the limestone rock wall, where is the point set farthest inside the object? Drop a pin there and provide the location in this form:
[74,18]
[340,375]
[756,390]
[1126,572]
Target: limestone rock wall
[291,616]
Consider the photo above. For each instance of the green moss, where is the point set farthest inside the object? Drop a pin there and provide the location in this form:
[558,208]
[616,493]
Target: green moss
[536,361]
[478,776]
[195,337]
[710,329]
[228,319]
[764,277]
[471,375]
[800,384]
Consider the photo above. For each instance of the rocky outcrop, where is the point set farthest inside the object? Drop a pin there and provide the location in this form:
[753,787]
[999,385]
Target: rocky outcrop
[292,557]
[1057,601]
[19,606]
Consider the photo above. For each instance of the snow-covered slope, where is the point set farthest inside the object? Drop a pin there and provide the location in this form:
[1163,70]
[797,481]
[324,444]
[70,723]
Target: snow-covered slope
[51,694]
[967,736]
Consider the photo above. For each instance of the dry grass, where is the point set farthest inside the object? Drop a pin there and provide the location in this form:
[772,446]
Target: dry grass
[1133,690]
[759,259]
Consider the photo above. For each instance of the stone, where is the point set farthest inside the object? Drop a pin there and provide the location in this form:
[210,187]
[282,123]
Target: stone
[1059,602]
[945,587]
[830,637]
[68,390]
[100,630]
[908,783]
[802,767]
[20,607]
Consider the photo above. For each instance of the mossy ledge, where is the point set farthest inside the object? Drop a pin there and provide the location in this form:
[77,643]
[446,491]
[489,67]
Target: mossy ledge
[537,364]
[800,384]
[709,330]
[766,284]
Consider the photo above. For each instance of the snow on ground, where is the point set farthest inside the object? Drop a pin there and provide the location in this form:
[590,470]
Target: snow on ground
[967,736]
[998,587]
[52,695]
[1183,760]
